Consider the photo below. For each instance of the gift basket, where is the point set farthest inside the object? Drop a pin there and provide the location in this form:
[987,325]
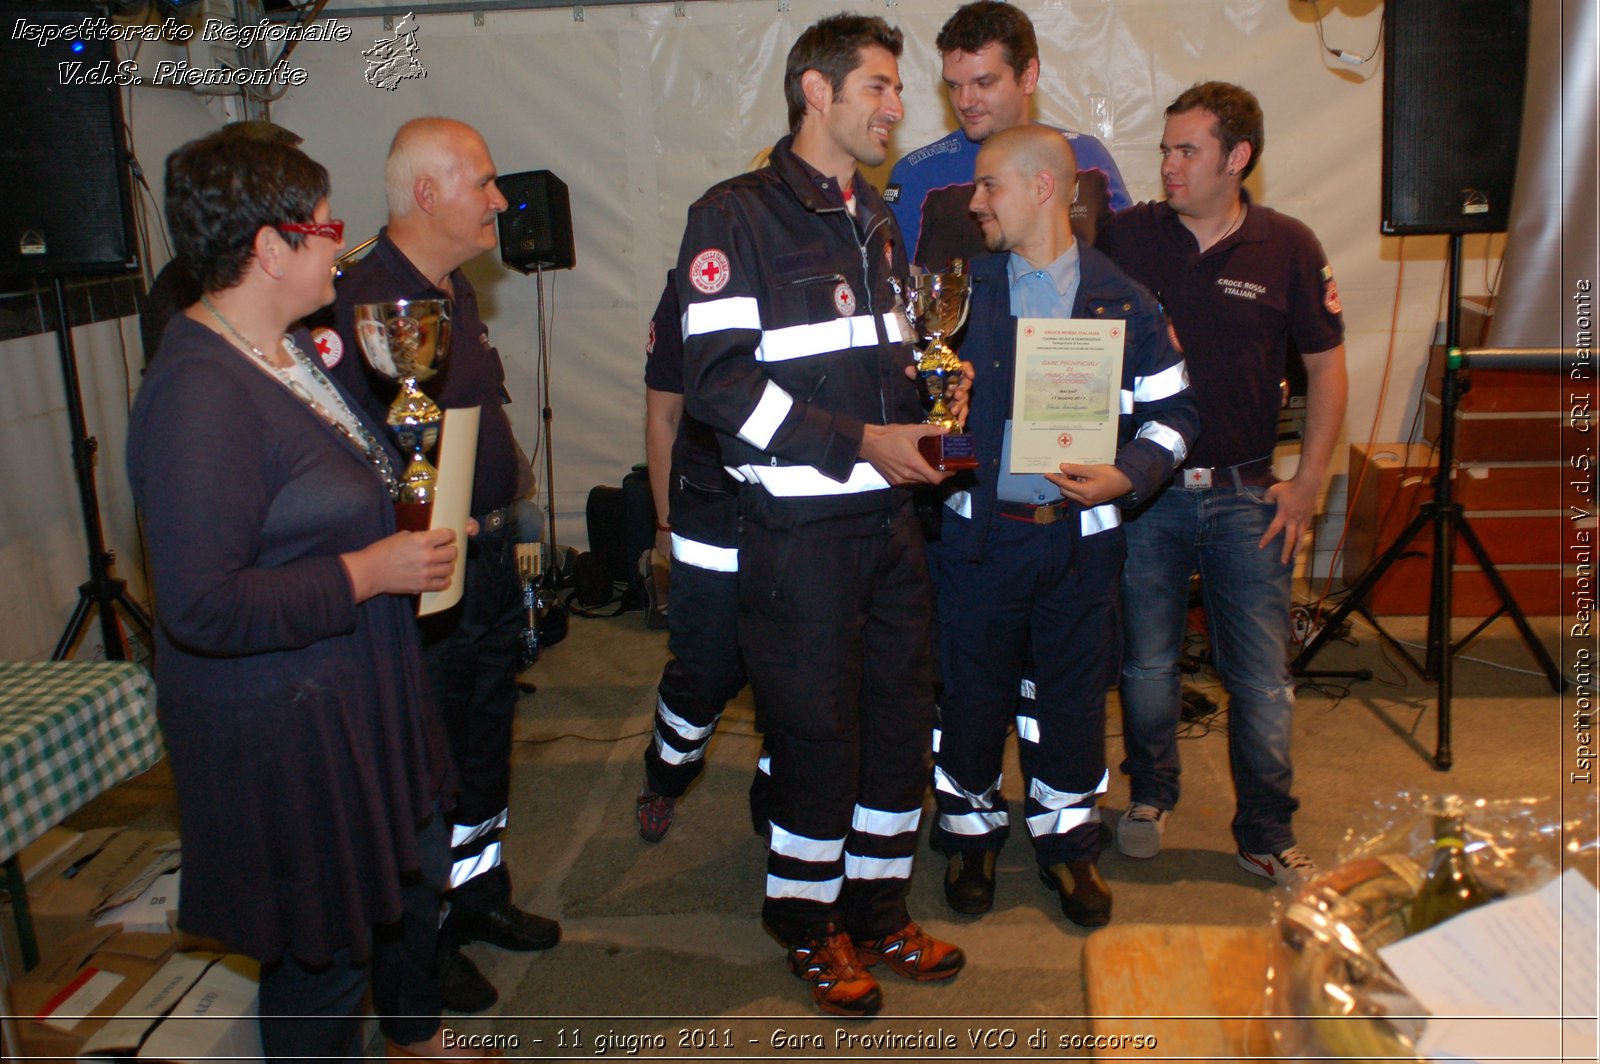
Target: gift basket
[1416,861]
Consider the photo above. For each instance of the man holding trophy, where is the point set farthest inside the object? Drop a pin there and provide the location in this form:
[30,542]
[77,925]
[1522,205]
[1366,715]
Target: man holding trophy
[1081,406]
[443,203]
[796,352]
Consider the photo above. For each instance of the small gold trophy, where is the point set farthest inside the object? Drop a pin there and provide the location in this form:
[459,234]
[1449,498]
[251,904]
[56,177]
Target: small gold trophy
[406,341]
[937,305]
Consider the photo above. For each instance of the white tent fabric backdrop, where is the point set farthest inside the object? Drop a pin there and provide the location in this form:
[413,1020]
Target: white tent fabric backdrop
[639,109]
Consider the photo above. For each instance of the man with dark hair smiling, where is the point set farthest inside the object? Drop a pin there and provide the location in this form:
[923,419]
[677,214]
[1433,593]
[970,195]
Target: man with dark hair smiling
[991,70]
[1240,282]
[795,352]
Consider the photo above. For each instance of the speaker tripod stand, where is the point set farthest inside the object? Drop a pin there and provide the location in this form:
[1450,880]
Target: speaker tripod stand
[1444,515]
[101,591]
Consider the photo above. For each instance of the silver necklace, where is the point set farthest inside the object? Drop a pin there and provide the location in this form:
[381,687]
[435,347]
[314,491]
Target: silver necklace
[365,442]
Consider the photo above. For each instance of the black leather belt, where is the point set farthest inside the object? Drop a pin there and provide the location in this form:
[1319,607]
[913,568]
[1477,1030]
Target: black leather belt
[495,520]
[1048,514]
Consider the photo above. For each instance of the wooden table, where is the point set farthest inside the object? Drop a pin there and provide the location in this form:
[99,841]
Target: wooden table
[1200,990]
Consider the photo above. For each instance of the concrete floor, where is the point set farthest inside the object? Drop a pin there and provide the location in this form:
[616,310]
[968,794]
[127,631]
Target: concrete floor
[663,941]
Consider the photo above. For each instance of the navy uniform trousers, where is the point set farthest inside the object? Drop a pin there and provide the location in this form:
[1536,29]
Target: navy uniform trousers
[835,628]
[1045,597]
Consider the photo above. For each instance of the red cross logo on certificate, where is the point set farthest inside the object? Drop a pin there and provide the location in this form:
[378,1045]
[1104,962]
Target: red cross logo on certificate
[709,271]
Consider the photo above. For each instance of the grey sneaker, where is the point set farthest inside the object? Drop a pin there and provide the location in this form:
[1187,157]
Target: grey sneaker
[1286,868]
[1140,829]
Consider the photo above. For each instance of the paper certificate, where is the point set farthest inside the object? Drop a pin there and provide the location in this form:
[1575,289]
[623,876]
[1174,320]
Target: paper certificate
[1067,393]
[458,453]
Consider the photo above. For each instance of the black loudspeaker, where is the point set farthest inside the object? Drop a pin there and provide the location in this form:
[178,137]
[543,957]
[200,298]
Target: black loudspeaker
[536,227]
[1452,113]
[63,163]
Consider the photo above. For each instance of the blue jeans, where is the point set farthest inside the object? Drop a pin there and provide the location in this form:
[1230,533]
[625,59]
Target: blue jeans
[1246,594]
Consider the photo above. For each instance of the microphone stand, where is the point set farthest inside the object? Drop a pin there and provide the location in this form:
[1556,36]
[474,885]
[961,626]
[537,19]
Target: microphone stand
[101,591]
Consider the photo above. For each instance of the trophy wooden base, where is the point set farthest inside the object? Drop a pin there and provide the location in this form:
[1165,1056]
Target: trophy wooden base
[413,516]
[949,453]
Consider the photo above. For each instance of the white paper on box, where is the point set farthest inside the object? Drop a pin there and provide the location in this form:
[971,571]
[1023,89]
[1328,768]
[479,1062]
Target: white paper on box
[78,999]
[215,1019]
[1509,980]
[123,1032]
[167,857]
[147,912]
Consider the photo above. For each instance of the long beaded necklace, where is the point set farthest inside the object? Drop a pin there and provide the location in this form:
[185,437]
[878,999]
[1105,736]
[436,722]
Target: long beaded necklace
[361,438]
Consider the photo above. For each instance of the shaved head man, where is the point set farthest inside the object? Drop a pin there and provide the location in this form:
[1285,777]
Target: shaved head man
[1027,567]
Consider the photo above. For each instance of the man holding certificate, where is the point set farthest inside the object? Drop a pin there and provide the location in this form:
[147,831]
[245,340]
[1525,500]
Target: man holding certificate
[1080,406]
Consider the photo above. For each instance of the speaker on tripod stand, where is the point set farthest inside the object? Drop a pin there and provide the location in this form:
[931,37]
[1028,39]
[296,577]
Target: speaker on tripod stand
[535,236]
[66,213]
[1454,80]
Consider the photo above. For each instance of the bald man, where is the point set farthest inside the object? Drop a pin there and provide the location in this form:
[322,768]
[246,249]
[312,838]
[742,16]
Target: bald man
[1028,566]
[443,202]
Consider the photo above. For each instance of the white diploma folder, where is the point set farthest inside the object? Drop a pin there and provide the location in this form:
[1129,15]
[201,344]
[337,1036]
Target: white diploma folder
[1067,393]
[452,501]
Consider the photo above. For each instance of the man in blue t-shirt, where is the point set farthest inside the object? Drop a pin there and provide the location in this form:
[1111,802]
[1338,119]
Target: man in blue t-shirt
[991,68]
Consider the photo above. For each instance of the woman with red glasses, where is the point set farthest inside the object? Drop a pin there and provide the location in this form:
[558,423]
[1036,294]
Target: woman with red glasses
[307,753]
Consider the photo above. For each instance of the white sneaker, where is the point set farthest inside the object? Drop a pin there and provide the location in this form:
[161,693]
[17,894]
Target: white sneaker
[1140,829]
[1286,868]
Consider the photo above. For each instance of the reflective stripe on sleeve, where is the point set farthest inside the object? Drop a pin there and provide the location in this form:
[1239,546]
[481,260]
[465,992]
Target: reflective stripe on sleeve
[759,428]
[823,337]
[1163,385]
[1169,438]
[1099,519]
[715,315]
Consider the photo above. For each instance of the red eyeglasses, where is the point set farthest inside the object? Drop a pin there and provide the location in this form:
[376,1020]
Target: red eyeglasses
[333,228]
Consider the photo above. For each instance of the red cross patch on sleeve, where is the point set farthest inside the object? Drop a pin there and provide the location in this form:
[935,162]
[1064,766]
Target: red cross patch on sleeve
[709,271]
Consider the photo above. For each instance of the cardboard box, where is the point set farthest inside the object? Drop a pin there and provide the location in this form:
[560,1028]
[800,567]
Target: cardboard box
[73,993]
[105,869]
[41,859]
[217,1018]
[113,995]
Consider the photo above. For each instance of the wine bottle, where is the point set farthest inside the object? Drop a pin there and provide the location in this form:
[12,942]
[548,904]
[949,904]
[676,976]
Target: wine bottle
[1451,887]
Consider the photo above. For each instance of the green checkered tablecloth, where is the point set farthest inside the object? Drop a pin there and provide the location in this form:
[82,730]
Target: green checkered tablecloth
[69,730]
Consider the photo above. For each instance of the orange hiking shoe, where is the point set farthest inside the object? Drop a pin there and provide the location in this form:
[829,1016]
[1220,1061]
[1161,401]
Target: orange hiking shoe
[839,982]
[913,953]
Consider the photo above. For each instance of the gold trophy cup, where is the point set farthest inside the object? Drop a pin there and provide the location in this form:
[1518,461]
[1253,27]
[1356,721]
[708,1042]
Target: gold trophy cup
[406,341]
[937,305]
